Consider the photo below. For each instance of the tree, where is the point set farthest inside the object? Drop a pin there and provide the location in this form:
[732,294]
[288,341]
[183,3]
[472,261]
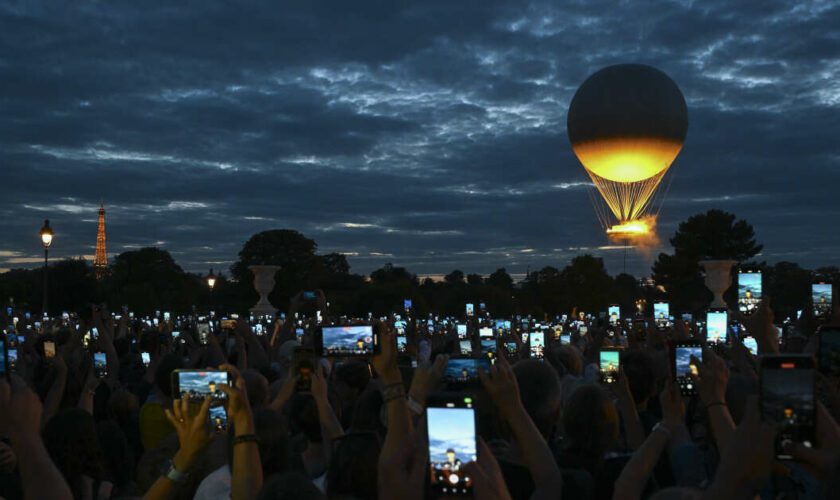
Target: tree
[456,277]
[287,248]
[713,235]
[475,279]
[500,279]
[149,279]
[587,284]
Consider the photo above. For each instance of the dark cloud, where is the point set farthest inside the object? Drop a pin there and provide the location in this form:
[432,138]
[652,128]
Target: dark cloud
[430,134]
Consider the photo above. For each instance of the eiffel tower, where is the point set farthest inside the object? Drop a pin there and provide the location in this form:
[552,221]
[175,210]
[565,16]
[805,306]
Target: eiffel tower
[100,262]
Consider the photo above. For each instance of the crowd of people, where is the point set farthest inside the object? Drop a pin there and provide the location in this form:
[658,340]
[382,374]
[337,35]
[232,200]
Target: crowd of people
[89,409]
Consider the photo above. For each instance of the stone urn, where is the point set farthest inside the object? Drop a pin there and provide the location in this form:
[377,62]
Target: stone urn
[718,279]
[264,284]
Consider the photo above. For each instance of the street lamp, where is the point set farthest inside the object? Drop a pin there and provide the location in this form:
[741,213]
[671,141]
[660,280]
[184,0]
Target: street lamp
[46,240]
[211,279]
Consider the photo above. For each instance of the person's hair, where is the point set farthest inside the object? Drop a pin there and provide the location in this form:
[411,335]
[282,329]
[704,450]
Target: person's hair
[354,374]
[353,471]
[71,440]
[539,390]
[367,413]
[638,368]
[566,360]
[590,425]
[256,385]
[303,417]
[290,486]
[163,374]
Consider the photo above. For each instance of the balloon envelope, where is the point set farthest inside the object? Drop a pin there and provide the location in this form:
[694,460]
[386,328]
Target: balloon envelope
[627,124]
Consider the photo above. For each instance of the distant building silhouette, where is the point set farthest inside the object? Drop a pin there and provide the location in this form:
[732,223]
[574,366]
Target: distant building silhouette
[100,262]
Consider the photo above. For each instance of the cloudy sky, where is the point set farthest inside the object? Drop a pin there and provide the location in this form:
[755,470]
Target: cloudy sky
[430,133]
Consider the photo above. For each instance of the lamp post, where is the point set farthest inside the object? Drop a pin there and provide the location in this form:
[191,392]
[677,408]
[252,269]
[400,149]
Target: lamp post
[46,240]
[211,279]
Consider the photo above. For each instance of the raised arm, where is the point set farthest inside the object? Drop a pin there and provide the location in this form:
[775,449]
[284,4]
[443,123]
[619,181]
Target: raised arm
[501,384]
[631,483]
[246,470]
[193,437]
[20,411]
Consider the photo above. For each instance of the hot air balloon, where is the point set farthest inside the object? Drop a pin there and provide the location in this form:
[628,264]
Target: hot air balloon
[627,124]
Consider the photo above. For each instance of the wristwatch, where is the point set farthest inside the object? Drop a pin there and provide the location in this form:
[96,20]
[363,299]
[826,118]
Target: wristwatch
[174,474]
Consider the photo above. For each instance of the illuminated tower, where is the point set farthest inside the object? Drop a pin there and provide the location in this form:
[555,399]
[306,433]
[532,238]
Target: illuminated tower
[100,262]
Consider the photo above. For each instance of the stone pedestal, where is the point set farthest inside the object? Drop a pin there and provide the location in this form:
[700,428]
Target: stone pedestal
[718,279]
[264,284]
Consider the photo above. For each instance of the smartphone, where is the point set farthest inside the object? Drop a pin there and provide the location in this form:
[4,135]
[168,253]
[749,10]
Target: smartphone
[259,329]
[565,338]
[829,350]
[402,344]
[661,314]
[461,330]
[488,348]
[175,334]
[470,310]
[465,347]
[787,399]
[304,361]
[751,344]
[11,358]
[821,298]
[4,359]
[309,296]
[299,333]
[511,348]
[155,321]
[450,425]
[717,324]
[218,418]
[609,361]
[228,324]
[749,291]
[198,384]
[145,358]
[536,343]
[49,349]
[100,364]
[682,367]
[485,332]
[464,371]
[339,341]
[166,316]
[407,305]
[614,313]
[203,333]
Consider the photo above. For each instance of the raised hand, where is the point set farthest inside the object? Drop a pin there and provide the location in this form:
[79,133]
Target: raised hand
[712,378]
[501,384]
[488,481]
[426,378]
[239,409]
[193,432]
[386,361]
[760,325]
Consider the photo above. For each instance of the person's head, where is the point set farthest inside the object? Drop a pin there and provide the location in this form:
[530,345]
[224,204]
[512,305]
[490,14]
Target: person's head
[71,440]
[352,471]
[566,359]
[590,424]
[539,390]
[290,486]
[273,441]
[303,417]
[256,385]
[123,405]
[163,374]
[351,378]
[367,414]
[638,368]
